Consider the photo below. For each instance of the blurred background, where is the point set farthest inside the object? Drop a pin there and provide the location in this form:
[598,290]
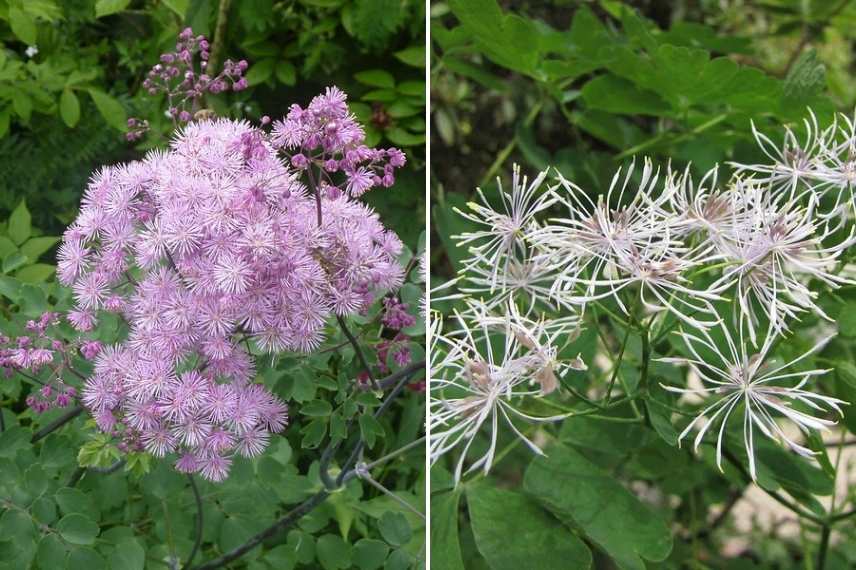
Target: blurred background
[71,73]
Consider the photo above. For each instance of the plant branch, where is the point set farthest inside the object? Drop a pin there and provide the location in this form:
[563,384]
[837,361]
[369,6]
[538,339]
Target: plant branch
[219,37]
[57,423]
[404,378]
[286,521]
[825,531]
[198,540]
[363,362]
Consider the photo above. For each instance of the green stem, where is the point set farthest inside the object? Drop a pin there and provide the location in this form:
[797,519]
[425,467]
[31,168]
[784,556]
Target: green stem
[826,530]
[617,365]
[643,378]
[197,542]
[359,352]
[219,37]
[396,453]
[662,136]
[509,148]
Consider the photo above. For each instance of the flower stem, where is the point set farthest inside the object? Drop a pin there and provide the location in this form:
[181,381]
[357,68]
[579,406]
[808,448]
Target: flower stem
[198,540]
[825,531]
[363,362]
[396,453]
[507,149]
[290,518]
[56,424]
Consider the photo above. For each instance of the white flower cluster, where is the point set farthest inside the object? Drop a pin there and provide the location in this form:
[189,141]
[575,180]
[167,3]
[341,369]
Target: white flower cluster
[662,248]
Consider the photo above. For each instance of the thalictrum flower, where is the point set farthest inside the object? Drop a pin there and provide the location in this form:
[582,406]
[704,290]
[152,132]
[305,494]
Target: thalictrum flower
[739,379]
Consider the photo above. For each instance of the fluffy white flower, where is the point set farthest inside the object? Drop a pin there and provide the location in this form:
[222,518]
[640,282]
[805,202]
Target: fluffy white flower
[740,380]
[477,384]
[500,239]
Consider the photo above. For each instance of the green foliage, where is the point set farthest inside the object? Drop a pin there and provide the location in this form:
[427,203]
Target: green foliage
[21,249]
[540,543]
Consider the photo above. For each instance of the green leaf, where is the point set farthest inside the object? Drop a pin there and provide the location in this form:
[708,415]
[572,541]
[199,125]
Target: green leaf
[23,25]
[22,104]
[370,429]
[32,300]
[261,71]
[412,88]
[281,557]
[316,408]
[35,247]
[107,7]
[806,78]
[12,440]
[7,246]
[369,554]
[617,95]
[85,558]
[44,510]
[583,496]
[846,371]
[313,433]
[445,545]
[403,138]
[36,273]
[847,320]
[71,500]
[376,78]
[394,528]
[286,73]
[659,403]
[333,552]
[14,261]
[69,107]
[382,95]
[4,122]
[399,560]
[177,6]
[375,21]
[413,56]
[10,288]
[128,555]
[51,552]
[77,529]
[19,223]
[541,543]
[110,109]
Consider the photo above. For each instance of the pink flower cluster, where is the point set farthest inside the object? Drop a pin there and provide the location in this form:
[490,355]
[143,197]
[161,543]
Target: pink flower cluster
[203,249]
[326,135]
[184,85]
[31,352]
[398,348]
[395,314]
[49,397]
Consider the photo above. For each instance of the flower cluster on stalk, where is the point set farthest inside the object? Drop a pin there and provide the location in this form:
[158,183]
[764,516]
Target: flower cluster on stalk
[183,76]
[699,255]
[212,251]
